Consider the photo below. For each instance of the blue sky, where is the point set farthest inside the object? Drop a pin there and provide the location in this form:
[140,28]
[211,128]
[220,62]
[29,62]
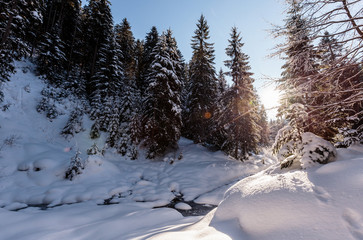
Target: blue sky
[252,18]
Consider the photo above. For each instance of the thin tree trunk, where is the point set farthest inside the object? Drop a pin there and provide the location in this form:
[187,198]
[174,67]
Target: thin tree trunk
[352,19]
[8,26]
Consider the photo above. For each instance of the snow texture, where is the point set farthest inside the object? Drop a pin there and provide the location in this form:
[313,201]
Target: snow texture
[114,197]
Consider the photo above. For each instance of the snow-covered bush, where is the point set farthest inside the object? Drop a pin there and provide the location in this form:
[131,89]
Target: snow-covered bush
[353,134]
[74,124]
[133,153]
[316,150]
[75,167]
[288,142]
[294,148]
[51,96]
[95,130]
[9,141]
[94,150]
[50,110]
[1,93]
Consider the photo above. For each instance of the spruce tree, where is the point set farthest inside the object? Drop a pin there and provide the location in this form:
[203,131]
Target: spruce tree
[222,82]
[139,65]
[300,67]
[238,117]
[126,42]
[151,40]
[162,112]
[203,86]
[263,123]
[19,22]
[97,30]
[51,57]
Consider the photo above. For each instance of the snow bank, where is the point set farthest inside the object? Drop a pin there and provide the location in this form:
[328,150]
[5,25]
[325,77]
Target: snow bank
[323,202]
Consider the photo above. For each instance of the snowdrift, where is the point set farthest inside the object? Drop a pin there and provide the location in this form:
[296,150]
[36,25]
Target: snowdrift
[323,202]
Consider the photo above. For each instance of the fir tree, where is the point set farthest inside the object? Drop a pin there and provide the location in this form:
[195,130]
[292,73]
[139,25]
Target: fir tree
[51,57]
[222,82]
[139,65]
[238,117]
[114,121]
[151,40]
[263,123]
[162,113]
[75,167]
[74,124]
[203,86]
[19,22]
[126,42]
[97,27]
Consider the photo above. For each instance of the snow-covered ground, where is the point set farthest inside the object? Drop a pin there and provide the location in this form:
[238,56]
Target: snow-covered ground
[114,196]
[256,200]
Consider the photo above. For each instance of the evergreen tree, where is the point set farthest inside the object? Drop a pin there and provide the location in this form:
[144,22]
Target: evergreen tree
[19,22]
[329,49]
[75,167]
[114,121]
[203,86]
[222,82]
[263,123]
[151,40]
[127,113]
[139,65]
[97,30]
[300,58]
[74,124]
[300,67]
[100,81]
[126,42]
[51,57]
[162,113]
[239,118]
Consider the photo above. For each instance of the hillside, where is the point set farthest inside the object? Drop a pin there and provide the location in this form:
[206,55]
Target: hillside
[111,188]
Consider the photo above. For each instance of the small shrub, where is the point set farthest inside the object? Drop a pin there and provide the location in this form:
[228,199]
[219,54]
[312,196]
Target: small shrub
[75,168]
[94,150]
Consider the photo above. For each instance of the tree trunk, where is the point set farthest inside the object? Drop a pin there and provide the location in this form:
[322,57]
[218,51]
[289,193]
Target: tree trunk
[10,21]
[351,18]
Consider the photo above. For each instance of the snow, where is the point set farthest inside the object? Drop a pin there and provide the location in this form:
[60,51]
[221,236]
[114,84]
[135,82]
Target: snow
[117,198]
[183,206]
[111,190]
[323,202]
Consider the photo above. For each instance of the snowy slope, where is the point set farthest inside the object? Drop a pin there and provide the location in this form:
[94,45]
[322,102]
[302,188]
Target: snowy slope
[256,201]
[36,202]
[323,202]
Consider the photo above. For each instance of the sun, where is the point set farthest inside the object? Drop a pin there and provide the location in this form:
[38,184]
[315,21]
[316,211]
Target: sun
[270,98]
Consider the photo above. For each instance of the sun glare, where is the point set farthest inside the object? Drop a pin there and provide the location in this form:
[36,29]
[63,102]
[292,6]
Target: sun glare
[270,99]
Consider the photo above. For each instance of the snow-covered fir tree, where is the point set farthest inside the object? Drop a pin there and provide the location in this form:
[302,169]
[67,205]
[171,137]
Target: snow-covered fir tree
[128,111]
[203,87]
[97,24]
[151,40]
[162,112]
[75,167]
[263,123]
[51,57]
[126,42]
[75,123]
[222,82]
[19,24]
[238,117]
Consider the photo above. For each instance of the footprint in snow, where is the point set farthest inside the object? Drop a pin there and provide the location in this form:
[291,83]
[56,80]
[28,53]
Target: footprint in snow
[322,194]
[354,223]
